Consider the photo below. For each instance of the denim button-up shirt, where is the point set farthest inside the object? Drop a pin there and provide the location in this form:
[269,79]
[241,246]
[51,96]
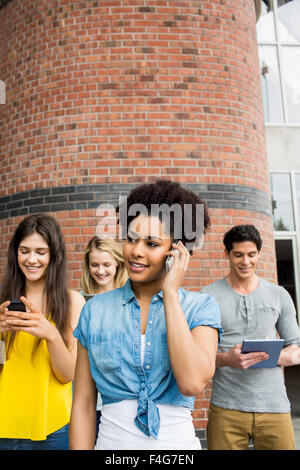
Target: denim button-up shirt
[109,328]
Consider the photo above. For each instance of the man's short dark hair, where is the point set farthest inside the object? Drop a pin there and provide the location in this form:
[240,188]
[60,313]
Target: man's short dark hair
[242,233]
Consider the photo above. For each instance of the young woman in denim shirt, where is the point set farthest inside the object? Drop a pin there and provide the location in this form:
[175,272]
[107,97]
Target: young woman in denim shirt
[148,347]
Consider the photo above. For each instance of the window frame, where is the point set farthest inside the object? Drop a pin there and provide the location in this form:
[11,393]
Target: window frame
[279,44]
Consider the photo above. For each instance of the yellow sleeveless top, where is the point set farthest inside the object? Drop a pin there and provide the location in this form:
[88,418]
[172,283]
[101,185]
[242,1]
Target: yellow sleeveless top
[33,403]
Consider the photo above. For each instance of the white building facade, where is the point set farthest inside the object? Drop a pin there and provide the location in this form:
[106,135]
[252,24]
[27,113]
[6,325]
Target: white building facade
[278,33]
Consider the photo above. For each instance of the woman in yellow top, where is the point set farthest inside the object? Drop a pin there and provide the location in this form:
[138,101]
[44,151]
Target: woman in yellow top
[37,349]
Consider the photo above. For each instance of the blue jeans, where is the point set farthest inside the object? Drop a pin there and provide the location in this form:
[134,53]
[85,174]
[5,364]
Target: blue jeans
[58,440]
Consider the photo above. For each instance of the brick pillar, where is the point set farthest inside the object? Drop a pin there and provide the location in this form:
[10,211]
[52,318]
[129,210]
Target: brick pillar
[103,95]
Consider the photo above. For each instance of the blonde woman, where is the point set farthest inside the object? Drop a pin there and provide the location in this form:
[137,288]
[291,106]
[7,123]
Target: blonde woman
[103,270]
[104,267]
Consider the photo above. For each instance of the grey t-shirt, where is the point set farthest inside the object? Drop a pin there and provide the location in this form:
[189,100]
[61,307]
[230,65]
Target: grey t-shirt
[259,315]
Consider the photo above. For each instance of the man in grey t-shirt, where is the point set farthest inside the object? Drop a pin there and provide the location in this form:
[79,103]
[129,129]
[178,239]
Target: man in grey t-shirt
[251,402]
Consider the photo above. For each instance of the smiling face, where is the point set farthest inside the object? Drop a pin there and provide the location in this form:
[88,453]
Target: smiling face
[243,259]
[145,249]
[103,267]
[33,257]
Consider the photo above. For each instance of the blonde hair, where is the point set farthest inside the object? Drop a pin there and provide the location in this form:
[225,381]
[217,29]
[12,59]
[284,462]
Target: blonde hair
[89,285]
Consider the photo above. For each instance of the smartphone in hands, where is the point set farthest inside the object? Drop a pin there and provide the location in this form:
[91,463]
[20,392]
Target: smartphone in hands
[170,259]
[17,306]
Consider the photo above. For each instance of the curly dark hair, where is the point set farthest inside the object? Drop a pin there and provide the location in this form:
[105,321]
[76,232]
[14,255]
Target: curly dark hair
[168,198]
[242,233]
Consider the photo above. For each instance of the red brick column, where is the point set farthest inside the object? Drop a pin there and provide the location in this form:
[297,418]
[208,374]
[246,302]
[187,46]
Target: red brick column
[102,95]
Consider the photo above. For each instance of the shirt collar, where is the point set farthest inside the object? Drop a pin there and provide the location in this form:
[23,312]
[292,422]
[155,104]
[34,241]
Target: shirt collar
[128,293]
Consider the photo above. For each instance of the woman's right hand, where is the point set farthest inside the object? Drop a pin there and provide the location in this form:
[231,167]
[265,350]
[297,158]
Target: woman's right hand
[174,278]
[4,327]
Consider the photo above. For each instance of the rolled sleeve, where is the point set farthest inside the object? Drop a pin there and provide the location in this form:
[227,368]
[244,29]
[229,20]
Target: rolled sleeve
[81,330]
[287,325]
[208,314]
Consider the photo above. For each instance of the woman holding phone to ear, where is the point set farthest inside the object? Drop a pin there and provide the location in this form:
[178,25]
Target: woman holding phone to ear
[36,374]
[148,347]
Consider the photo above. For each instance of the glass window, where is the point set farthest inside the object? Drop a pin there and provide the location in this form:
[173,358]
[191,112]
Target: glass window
[282,204]
[278,33]
[285,266]
[288,21]
[291,81]
[271,89]
[265,26]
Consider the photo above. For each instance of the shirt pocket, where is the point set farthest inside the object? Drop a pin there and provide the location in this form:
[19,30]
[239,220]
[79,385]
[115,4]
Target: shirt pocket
[105,349]
[267,318]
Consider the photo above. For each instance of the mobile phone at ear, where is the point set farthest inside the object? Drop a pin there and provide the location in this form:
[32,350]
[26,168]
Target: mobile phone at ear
[17,306]
[170,260]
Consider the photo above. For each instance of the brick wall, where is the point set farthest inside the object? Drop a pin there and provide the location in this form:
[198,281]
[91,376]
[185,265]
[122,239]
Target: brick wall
[103,95]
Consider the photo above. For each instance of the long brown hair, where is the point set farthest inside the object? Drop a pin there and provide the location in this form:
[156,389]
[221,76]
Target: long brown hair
[113,247]
[55,290]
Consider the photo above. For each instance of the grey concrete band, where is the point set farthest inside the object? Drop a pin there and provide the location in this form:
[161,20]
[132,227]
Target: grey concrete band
[80,197]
